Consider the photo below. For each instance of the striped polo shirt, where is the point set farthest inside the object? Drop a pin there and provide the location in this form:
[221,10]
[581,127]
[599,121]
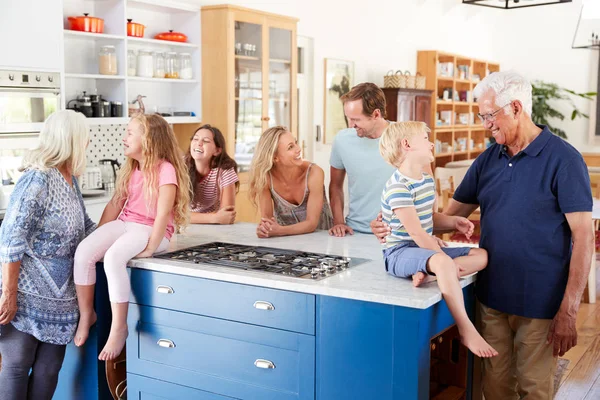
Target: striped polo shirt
[401,191]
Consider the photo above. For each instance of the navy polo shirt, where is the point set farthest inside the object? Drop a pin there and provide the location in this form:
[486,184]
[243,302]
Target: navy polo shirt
[523,201]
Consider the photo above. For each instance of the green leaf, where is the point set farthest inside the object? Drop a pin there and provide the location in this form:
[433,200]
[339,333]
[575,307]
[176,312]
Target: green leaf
[573,115]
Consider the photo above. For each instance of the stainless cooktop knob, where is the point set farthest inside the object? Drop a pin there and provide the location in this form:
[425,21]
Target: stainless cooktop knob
[50,78]
[323,271]
[11,77]
[38,78]
[314,273]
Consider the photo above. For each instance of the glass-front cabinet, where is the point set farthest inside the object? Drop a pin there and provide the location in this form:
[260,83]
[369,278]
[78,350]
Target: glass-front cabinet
[249,67]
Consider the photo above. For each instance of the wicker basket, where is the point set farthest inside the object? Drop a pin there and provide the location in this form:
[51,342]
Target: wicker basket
[420,81]
[410,80]
[393,79]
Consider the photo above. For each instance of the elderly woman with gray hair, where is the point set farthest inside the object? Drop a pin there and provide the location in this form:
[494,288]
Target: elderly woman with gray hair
[44,222]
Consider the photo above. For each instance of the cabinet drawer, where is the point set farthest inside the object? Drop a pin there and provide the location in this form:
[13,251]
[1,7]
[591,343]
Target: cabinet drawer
[250,304]
[228,358]
[143,388]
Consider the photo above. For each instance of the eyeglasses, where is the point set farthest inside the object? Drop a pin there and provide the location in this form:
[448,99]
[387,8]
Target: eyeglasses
[490,117]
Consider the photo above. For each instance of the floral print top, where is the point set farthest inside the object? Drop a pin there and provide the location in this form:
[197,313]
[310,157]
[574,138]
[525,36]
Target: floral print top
[44,222]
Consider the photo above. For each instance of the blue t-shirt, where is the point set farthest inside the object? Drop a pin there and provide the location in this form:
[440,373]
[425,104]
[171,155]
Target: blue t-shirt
[523,201]
[367,174]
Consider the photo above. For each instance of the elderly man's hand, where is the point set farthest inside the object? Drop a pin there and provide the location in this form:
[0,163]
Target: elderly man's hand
[563,332]
[380,228]
[340,230]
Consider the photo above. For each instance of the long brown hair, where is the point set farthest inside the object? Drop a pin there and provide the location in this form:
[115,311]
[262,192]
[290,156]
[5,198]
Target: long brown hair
[262,161]
[158,144]
[222,161]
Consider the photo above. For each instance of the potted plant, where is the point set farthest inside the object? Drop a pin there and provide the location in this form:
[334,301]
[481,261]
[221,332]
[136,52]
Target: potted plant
[545,93]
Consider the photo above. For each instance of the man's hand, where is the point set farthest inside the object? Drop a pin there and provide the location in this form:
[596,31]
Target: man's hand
[464,226]
[380,229]
[563,333]
[340,230]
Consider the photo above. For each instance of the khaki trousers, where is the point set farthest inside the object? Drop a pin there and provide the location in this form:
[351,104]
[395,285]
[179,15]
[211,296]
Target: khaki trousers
[525,366]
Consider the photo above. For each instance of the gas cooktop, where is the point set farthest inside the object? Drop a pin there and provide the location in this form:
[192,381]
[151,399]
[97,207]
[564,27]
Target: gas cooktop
[294,263]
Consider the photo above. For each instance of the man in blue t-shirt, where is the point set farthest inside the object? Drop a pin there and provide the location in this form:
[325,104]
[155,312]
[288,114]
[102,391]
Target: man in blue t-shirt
[356,152]
[533,190]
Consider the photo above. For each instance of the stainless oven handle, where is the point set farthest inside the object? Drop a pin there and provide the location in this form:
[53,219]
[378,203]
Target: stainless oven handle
[11,92]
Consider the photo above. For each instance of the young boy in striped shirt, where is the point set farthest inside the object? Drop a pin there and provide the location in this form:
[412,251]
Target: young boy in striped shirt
[407,206]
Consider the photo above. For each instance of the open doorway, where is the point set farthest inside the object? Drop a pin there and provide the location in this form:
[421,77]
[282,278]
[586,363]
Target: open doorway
[305,82]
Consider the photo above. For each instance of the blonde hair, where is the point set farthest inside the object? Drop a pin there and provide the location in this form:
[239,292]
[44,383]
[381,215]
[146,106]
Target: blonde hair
[158,144]
[390,144]
[262,161]
[63,140]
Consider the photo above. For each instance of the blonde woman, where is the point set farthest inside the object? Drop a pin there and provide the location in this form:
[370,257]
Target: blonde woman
[288,190]
[151,202]
[44,223]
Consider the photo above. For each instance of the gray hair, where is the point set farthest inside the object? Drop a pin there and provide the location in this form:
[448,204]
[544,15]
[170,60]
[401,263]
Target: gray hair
[63,139]
[508,86]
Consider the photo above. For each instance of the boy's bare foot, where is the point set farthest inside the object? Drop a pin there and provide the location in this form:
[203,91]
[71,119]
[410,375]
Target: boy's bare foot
[418,278]
[478,346]
[114,344]
[86,320]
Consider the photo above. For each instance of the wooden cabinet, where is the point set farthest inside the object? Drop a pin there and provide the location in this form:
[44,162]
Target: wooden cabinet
[408,105]
[249,68]
[456,130]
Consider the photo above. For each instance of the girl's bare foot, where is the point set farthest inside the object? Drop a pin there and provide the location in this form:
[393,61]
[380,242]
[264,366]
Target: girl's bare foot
[478,346]
[86,320]
[418,278]
[114,344]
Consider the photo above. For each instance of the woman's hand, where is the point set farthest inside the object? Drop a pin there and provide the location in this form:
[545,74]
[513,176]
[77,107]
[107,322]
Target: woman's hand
[268,227]
[8,307]
[225,215]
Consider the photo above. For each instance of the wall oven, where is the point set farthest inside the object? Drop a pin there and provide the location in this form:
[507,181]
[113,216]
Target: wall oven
[27,98]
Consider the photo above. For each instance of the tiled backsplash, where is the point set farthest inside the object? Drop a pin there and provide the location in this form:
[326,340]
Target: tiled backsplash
[106,141]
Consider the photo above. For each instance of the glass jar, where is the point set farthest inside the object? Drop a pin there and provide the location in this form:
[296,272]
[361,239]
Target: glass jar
[131,63]
[145,64]
[185,66]
[107,60]
[159,65]
[171,66]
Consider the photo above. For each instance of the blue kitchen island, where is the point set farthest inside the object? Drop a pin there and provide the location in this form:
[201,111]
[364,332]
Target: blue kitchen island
[200,331]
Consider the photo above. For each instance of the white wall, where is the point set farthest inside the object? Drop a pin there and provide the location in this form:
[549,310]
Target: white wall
[534,41]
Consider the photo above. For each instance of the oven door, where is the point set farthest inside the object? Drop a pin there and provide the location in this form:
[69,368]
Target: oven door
[25,110]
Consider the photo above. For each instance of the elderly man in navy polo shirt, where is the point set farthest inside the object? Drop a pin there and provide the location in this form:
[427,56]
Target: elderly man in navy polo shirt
[533,190]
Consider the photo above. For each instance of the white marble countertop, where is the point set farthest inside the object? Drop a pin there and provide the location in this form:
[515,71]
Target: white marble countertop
[367,282]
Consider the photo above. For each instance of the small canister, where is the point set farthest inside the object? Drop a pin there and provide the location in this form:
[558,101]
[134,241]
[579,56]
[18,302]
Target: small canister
[97,109]
[116,109]
[106,107]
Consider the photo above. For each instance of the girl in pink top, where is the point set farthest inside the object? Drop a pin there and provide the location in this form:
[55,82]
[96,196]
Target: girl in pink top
[214,178]
[151,201]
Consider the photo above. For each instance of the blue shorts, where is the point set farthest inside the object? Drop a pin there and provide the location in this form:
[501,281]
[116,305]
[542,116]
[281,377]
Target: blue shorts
[405,260]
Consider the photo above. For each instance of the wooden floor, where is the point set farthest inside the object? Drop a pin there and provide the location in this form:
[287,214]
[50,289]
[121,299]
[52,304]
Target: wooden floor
[581,380]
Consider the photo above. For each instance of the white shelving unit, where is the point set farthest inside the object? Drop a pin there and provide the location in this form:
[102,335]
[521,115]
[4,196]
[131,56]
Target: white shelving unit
[81,50]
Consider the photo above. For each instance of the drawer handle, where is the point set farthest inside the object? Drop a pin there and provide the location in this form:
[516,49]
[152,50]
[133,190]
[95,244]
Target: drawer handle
[166,343]
[264,305]
[165,289]
[264,364]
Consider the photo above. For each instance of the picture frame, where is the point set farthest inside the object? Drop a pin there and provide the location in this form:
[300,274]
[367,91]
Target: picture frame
[339,79]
